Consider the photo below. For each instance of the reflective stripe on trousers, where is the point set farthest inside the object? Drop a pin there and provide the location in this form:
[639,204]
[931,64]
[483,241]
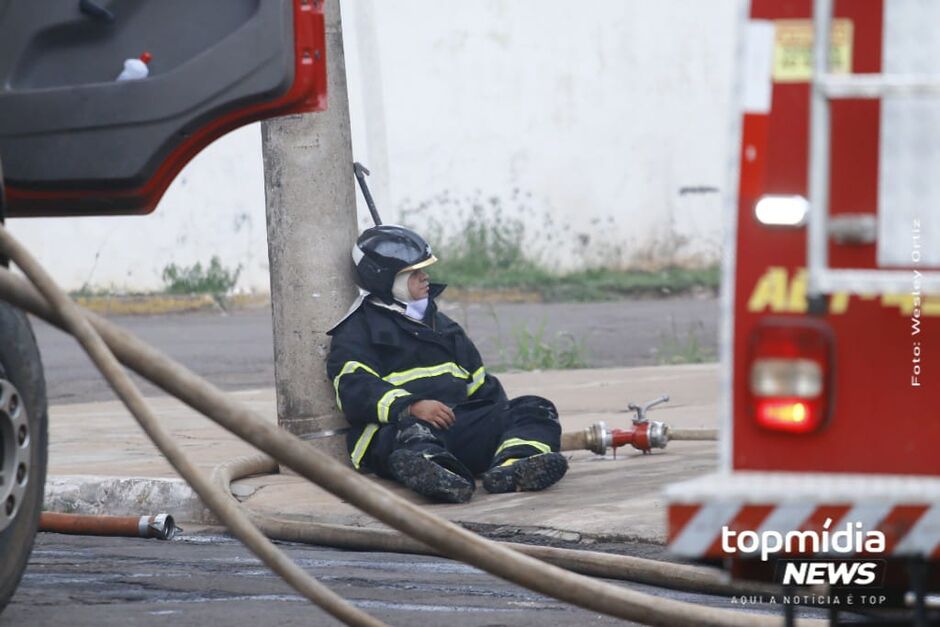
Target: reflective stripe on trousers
[539,446]
[362,444]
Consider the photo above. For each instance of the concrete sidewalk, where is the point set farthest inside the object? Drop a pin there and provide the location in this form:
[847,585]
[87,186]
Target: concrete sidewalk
[101,462]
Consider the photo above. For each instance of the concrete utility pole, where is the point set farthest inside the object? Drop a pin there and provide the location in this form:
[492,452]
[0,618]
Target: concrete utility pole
[311,213]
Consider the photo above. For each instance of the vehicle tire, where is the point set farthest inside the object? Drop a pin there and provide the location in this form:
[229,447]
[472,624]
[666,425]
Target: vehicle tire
[23,445]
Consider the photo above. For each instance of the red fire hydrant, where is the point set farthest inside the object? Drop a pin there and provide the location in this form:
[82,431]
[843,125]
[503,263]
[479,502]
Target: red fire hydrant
[645,435]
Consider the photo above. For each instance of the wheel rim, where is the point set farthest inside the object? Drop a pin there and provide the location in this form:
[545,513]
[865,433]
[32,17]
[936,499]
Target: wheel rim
[15,442]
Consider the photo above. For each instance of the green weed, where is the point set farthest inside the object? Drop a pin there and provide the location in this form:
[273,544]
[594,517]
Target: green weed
[598,284]
[88,291]
[488,250]
[214,279]
[674,349]
[532,350]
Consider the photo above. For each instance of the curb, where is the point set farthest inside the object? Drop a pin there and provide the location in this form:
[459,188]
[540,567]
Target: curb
[96,495]
[161,304]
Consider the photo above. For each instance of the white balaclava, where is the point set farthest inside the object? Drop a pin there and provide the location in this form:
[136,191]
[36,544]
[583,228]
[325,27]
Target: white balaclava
[415,308]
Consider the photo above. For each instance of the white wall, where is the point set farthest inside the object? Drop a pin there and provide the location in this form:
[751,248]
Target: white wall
[585,120]
[602,112]
[214,207]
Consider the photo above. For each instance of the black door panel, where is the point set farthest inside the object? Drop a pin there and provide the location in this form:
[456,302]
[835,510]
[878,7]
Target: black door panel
[94,50]
[73,140]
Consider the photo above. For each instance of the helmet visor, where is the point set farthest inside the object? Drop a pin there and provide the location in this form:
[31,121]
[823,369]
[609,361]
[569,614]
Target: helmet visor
[419,265]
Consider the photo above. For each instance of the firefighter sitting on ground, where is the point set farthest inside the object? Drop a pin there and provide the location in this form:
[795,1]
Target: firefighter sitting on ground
[423,409]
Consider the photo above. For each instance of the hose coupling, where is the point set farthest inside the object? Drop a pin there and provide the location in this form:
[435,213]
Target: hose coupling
[598,438]
[644,436]
[160,526]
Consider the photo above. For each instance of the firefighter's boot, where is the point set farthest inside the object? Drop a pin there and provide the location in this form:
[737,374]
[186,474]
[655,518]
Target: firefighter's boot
[422,464]
[425,474]
[527,474]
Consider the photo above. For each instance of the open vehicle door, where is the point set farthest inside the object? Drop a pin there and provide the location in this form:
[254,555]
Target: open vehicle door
[75,141]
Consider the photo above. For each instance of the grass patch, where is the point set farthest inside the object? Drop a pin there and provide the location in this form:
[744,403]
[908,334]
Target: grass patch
[597,284]
[213,279]
[489,252]
[687,349]
[88,291]
[533,351]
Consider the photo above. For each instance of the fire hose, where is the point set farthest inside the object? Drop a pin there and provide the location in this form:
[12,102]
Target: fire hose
[75,323]
[160,526]
[99,338]
[592,563]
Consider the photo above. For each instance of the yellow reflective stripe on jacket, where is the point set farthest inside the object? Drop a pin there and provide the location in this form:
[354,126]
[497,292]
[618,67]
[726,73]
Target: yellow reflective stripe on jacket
[476,381]
[540,446]
[362,444]
[348,368]
[397,378]
[385,403]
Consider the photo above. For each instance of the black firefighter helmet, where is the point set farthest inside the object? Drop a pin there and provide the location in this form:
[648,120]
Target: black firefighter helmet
[381,252]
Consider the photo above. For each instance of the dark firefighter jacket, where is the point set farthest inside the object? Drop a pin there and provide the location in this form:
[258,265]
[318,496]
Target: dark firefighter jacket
[381,362]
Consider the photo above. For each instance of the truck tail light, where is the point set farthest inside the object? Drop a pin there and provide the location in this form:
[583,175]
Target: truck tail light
[790,375]
[781,210]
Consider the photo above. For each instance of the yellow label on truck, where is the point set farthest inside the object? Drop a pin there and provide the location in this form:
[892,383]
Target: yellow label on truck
[776,291]
[793,49]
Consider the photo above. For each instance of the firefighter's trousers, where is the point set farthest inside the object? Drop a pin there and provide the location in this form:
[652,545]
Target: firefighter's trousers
[484,435]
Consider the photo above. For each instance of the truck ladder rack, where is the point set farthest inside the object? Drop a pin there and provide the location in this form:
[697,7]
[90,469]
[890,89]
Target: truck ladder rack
[822,279]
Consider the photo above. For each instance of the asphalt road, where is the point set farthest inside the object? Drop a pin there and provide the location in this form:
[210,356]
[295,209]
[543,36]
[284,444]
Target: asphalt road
[200,580]
[203,580]
[235,351]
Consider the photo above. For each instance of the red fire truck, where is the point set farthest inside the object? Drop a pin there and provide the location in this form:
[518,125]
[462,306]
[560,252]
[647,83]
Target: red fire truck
[74,141]
[831,334]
